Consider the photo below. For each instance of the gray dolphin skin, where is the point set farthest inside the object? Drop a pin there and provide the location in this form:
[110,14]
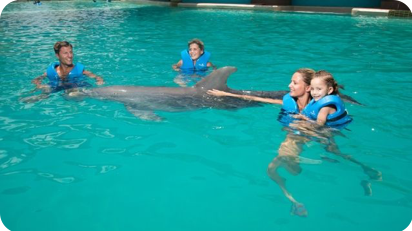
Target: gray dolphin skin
[143,102]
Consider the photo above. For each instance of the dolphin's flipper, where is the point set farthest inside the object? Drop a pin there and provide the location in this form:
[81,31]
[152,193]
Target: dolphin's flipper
[34,99]
[144,115]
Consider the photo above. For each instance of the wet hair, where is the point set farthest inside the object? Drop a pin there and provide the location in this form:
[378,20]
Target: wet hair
[60,44]
[198,42]
[307,74]
[329,81]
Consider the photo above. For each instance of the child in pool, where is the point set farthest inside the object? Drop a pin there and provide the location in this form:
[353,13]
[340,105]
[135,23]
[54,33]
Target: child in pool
[193,64]
[326,107]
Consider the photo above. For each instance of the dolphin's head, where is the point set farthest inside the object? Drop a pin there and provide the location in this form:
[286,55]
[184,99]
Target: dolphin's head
[216,80]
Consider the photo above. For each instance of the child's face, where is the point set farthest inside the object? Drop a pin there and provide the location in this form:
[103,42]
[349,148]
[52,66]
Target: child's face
[319,89]
[194,51]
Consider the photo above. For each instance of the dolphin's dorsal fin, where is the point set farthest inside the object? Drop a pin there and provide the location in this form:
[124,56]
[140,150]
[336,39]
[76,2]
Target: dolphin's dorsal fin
[216,80]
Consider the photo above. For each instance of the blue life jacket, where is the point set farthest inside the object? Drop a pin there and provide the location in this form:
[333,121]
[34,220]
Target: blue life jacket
[75,76]
[201,63]
[289,108]
[289,104]
[339,119]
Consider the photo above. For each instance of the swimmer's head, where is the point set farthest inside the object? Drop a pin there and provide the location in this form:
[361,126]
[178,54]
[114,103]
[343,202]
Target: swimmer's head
[307,74]
[198,42]
[328,80]
[195,48]
[60,44]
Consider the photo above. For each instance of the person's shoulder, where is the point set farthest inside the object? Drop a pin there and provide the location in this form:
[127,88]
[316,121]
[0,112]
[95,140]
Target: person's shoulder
[79,65]
[52,66]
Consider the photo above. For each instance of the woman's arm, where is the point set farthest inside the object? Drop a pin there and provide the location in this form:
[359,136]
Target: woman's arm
[245,97]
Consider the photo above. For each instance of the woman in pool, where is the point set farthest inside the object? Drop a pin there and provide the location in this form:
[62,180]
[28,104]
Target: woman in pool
[296,101]
[194,62]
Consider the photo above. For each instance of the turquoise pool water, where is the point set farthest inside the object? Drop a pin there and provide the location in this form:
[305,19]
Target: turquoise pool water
[91,165]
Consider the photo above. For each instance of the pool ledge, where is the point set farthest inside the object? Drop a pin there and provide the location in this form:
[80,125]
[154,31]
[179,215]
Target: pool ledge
[231,6]
[370,12]
[302,9]
[374,12]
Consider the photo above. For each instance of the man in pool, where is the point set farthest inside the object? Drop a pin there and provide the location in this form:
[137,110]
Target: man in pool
[64,75]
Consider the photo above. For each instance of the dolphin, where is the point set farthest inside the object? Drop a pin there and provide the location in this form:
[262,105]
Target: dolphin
[143,101]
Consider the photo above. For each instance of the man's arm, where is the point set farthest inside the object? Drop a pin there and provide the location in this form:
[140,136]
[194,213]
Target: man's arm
[99,80]
[38,80]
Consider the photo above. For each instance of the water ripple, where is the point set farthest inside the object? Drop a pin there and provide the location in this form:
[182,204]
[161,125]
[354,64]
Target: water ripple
[45,175]
[100,169]
[50,139]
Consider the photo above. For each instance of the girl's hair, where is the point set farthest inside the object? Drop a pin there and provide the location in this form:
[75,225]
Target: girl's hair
[59,45]
[198,42]
[307,74]
[329,80]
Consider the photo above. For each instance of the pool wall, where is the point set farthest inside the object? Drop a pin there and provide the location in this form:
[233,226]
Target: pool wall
[284,6]
[338,3]
[384,8]
[324,3]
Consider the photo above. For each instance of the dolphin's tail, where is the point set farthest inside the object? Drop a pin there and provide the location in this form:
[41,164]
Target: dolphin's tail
[349,99]
[216,80]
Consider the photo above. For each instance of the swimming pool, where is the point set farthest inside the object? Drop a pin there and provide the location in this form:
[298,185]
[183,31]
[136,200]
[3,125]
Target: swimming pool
[90,165]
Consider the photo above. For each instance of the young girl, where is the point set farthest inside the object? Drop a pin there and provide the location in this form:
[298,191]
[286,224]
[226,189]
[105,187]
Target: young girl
[194,62]
[326,107]
[195,57]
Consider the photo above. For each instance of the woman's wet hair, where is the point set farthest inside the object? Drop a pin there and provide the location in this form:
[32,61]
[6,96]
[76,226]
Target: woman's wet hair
[60,44]
[329,80]
[198,42]
[307,74]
